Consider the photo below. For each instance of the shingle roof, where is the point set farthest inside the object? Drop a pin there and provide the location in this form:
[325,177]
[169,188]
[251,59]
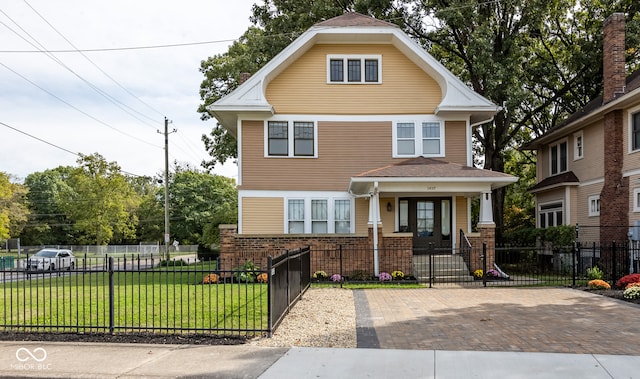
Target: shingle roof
[564,178]
[354,19]
[431,168]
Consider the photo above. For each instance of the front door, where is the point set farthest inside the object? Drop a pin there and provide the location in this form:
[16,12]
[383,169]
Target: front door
[429,219]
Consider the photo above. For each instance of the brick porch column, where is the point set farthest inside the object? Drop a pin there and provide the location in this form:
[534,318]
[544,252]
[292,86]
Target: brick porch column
[228,234]
[488,236]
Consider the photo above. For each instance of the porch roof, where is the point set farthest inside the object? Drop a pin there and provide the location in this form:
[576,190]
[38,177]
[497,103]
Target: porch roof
[429,175]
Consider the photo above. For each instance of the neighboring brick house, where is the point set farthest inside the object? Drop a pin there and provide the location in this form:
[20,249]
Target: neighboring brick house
[355,135]
[588,167]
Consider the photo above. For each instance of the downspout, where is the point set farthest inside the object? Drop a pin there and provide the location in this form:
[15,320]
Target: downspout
[376,211]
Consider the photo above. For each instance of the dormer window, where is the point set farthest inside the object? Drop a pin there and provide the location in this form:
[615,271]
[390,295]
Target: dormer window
[354,69]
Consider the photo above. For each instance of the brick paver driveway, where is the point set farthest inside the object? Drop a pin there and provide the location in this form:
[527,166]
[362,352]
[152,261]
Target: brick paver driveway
[497,319]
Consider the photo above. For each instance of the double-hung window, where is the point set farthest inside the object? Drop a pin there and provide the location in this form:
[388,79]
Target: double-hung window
[594,205]
[290,139]
[296,216]
[423,138]
[558,153]
[578,146]
[352,69]
[318,216]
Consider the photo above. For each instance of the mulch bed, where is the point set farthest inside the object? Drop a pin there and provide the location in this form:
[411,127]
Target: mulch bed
[615,294]
[168,339]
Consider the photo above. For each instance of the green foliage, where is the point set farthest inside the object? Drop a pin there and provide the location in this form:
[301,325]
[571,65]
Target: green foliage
[562,235]
[172,263]
[360,276]
[13,207]
[594,273]
[246,273]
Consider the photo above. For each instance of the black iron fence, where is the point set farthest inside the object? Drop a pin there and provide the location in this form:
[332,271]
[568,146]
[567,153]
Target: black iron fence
[148,295]
[289,278]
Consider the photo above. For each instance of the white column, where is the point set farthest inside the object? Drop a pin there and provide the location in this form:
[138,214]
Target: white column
[374,217]
[486,209]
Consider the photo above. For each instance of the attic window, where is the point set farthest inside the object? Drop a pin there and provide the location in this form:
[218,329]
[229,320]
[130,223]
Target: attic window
[354,69]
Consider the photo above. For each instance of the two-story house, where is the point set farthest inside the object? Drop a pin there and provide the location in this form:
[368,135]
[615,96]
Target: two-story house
[588,167]
[355,135]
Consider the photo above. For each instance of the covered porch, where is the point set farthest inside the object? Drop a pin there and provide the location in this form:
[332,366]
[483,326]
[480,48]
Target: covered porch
[423,203]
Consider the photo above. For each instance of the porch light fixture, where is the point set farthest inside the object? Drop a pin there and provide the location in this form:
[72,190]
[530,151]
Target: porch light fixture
[388,206]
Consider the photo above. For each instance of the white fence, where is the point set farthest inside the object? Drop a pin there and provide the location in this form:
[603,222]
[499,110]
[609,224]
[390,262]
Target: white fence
[78,250]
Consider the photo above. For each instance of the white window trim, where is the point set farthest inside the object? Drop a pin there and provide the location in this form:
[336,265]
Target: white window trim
[592,198]
[330,212]
[539,212]
[630,114]
[345,58]
[290,138]
[636,203]
[417,136]
[576,152]
[558,143]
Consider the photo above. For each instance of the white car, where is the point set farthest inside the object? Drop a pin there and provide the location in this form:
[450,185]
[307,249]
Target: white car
[51,259]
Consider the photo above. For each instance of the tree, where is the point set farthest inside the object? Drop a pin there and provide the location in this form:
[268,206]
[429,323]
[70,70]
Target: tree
[540,59]
[48,224]
[101,202]
[13,207]
[199,203]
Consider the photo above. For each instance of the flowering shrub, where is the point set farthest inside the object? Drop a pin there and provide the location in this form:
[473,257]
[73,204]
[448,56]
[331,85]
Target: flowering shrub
[262,278]
[632,293]
[320,275]
[210,279]
[336,278]
[384,277]
[397,275]
[632,285]
[493,272]
[628,279]
[598,284]
[478,274]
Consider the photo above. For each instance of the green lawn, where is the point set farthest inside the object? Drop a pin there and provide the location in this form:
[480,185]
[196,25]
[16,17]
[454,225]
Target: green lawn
[149,300]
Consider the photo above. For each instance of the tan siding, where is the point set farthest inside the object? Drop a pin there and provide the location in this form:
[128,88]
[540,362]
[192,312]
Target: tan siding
[388,218]
[262,215]
[462,220]
[302,87]
[634,182]
[337,160]
[362,216]
[550,196]
[456,142]
[592,165]
[583,193]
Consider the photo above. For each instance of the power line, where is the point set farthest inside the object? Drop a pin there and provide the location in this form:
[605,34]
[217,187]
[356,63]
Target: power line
[40,139]
[122,48]
[96,66]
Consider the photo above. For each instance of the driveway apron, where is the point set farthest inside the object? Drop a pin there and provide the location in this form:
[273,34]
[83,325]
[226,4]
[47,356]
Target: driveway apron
[553,320]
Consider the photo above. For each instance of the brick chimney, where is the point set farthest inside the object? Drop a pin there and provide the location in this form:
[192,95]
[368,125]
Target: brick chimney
[613,56]
[614,198]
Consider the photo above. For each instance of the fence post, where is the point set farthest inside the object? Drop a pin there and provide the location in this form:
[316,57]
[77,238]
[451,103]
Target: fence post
[269,296]
[614,275]
[111,297]
[430,253]
[483,257]
[575,262]
[341,274]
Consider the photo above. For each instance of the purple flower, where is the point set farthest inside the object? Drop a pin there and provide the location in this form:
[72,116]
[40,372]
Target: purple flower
[384,277]
[493,272]
[336,278]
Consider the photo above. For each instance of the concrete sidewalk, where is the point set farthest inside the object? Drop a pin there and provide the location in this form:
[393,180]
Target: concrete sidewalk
[92,360]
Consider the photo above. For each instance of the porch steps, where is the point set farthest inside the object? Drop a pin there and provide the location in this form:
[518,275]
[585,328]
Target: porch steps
[447,268]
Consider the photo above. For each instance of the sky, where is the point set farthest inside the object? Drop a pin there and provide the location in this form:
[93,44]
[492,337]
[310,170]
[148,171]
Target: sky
[112,102]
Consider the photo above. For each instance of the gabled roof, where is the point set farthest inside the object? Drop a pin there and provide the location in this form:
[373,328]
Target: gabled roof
[429,170]
[250,97]
[590,112]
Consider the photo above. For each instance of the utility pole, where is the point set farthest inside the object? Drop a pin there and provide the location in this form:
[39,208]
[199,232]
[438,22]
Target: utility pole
[166,186]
